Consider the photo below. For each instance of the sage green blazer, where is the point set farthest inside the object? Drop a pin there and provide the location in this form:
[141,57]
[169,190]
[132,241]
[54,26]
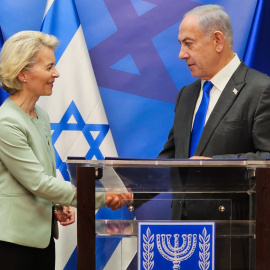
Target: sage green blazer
[28,187]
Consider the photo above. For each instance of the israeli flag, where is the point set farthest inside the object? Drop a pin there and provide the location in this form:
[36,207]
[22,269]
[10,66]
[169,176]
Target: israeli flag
[78,120]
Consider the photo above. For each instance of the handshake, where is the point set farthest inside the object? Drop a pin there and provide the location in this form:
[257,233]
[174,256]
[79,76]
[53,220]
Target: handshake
[66,215]
[118,200]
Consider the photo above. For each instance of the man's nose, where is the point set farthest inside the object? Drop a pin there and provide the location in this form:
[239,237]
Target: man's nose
[183,54]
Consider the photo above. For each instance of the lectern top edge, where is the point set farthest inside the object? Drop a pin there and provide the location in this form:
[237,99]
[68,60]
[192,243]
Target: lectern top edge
[171,163]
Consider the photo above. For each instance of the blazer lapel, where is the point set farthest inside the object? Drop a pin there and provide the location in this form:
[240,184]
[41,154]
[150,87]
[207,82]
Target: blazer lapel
[226,100]
[185,112]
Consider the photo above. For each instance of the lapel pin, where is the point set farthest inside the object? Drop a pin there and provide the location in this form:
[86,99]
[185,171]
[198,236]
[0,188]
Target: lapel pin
[235,91]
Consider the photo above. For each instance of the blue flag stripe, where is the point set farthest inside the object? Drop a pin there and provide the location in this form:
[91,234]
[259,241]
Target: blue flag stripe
[257,53]
[62,24]
[253,35]
[1,39]
[3,94]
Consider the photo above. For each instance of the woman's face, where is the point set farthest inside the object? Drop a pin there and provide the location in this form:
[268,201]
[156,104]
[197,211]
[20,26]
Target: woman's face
[39,81]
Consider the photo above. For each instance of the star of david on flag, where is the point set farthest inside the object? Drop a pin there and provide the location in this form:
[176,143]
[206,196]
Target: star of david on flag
[88,131]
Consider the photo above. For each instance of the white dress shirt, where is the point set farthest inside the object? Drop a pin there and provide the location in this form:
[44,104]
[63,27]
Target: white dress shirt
[219,82]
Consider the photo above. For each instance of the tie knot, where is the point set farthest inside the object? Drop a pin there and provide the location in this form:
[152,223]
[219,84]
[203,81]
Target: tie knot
[207,86]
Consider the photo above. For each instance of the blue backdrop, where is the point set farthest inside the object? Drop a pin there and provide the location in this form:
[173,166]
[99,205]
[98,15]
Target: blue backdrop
[134,50]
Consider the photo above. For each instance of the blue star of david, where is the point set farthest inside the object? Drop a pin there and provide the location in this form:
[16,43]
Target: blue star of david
[86,129]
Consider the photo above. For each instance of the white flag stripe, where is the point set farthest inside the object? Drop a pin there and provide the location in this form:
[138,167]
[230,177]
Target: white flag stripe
[76,82]
[48,5]
[126,250]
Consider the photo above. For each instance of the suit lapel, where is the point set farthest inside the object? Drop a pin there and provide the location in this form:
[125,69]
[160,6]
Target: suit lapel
[226,100]
[186,110]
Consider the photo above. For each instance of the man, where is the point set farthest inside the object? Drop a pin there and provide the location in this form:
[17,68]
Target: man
[235,124]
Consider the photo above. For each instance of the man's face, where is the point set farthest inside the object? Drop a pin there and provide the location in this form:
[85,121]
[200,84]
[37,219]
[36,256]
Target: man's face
[198,51]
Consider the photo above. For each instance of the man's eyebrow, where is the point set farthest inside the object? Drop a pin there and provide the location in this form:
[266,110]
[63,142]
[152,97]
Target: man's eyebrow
[185,39]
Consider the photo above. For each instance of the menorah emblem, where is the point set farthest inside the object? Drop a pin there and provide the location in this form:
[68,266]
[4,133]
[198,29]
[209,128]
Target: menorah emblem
[175,253]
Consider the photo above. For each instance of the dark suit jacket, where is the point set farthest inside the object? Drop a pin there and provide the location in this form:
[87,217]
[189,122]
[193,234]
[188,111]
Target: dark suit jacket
[238,127]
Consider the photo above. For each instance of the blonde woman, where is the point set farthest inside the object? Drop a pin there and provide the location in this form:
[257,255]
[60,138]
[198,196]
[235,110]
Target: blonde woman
[28,187]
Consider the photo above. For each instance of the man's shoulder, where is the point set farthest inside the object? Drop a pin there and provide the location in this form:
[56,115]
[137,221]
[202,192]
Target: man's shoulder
[252,75]
[257,74]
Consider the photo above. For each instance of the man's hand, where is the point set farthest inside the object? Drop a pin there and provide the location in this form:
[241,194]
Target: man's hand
[200,157]
[118,200]
[65,215]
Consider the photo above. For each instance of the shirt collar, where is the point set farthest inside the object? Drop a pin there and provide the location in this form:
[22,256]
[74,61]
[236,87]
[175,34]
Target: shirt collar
[221,79]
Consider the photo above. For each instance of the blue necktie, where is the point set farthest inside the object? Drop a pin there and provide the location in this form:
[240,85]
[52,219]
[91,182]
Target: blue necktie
[199,120]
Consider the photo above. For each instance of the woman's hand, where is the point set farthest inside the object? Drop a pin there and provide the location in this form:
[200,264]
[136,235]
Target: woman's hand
[65,215]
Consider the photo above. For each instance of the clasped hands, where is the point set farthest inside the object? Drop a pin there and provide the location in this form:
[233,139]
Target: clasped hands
[118,200]
[64,214]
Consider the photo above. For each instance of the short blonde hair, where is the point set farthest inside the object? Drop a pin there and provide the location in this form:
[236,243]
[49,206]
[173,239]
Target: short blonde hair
[18,53]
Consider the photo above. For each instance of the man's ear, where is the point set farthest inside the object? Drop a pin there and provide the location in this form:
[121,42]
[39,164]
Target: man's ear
[219,41]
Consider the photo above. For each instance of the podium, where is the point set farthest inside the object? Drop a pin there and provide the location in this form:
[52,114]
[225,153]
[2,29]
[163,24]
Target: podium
[233,193]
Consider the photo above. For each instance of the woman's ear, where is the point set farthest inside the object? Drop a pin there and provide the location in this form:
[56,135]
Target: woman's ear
[21,77]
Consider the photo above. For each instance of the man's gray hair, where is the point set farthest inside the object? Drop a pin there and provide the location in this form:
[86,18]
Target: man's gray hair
[213,18]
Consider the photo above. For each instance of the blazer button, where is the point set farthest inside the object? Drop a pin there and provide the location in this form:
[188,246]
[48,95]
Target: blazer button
[221,208]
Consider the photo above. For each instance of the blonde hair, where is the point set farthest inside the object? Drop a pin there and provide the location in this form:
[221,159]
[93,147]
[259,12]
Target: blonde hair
[18,53]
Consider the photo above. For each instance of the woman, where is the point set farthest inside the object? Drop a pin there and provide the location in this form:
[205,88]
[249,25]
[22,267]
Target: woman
[28,187]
